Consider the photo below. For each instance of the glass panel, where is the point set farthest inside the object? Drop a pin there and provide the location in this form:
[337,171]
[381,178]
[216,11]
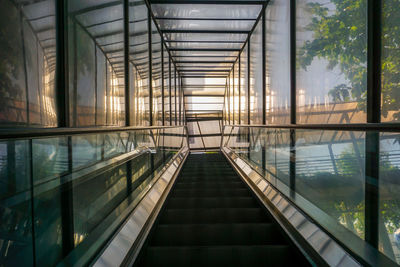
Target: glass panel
[331,57]
[256,76]
[139,58]
[96,65]
[244,86]
[167,111]
[156,75]
[277,63]
[204,11]
[28,63]
[231,97]
[189,25]
[205,44]
[97,179]
[15,204]
[236,97]
[389,197]
[173,95]
[390,62]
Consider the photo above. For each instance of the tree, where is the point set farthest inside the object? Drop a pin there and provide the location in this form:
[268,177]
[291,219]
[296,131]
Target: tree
[340,36]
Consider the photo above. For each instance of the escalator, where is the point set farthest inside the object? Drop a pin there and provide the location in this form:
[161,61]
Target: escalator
[211,218]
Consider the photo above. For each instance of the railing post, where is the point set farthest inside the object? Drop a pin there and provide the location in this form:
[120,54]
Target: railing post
[372,147]
[126,63]
[150,68]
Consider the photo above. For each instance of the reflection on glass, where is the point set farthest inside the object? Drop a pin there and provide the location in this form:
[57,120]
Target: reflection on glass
[244,86]
[324,172]
[173,95]
[139,59]
[236,88]
[167,112]
[389,198]
[96,63]
[331,42]
[15,204]
[93,178]
[330,173]
[256,76]
[156,75]
[28,59]
[277,62]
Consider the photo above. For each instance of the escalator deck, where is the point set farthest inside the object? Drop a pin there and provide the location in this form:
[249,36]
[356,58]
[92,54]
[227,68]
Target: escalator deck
[211,218]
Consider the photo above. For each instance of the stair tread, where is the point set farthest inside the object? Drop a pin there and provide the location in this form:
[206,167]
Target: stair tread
[216,234]
[265,255]
[213,215]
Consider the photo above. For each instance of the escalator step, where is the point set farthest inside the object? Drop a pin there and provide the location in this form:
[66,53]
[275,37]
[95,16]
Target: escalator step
[215,215]
[209,184]
[211,202]
[267,255]
[210,192]
[216,234]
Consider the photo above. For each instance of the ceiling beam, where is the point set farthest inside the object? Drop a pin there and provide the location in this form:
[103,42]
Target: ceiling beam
[205,31]
[210,2]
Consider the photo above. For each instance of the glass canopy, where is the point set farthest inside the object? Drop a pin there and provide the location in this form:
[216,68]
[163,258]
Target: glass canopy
[205,43]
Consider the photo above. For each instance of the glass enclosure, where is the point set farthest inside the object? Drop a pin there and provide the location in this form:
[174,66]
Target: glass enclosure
[324,173]
[61,196]
[28,62]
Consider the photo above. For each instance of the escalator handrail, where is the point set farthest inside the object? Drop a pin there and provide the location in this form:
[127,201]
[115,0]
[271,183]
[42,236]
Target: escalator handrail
[29,133]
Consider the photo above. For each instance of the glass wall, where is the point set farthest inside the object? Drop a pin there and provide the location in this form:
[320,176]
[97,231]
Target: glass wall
[256,76]
[173,95]
[231,98]
[390,84]
[96,65]
[28,62]
[277,61]
[244,86]
[236,88]
[139,59]
[167,111]
[156,75]
[332,57]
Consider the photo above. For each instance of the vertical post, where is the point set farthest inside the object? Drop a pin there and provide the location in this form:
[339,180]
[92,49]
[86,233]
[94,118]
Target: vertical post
[180,100]
[162,82]
[75,75]
[62,96]
[240,94]
[372,148]
[292,147]
[233,95]
[293,61]
[248,83]
[292,160]
[150,68]
[32,192]
[176,118]
[95,83]
[248,96]
[229,98]
[374,61]
[264,103]
[67,216]
[170,90]
[126,63]
[371,188]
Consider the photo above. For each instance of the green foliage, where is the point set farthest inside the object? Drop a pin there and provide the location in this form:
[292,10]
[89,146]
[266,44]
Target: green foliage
[340,37]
